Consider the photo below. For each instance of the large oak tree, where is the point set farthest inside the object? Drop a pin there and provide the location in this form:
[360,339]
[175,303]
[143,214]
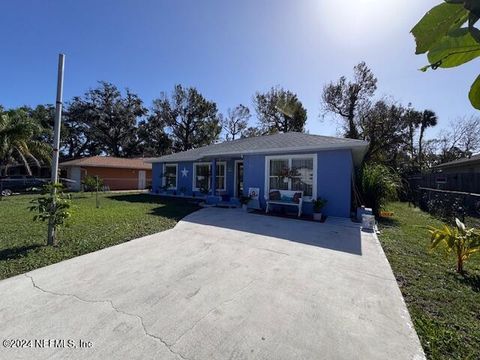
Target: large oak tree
[279,110]
[103,120]
[349,99]
[190,119]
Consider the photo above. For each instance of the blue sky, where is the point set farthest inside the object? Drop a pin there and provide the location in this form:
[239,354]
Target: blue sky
[227,49]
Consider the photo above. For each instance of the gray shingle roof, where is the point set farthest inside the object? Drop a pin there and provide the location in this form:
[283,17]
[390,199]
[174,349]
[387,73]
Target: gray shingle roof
[463,161]
[109,162]
[270,144]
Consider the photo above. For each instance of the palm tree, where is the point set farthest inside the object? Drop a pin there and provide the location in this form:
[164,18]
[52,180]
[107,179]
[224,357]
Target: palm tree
[19,141]
[429,119]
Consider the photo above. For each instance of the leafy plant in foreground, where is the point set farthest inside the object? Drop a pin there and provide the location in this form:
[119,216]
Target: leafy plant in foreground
[456,239]
[448,43]
[53,206]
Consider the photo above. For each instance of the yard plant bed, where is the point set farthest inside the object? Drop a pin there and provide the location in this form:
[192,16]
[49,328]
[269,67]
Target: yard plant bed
[445,306]
[120,218]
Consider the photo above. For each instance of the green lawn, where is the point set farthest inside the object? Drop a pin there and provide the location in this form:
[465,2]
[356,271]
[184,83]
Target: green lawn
[445,307]
[121,217]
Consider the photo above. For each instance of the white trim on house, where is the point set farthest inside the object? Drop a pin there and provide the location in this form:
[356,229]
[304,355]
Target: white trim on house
[164,179]
[289,158]
[224,163]
[235,182]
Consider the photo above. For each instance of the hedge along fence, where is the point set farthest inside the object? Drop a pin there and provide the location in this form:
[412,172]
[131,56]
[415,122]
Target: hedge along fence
[447,204]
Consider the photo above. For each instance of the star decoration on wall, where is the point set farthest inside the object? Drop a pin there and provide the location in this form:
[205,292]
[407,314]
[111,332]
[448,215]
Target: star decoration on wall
[184,172]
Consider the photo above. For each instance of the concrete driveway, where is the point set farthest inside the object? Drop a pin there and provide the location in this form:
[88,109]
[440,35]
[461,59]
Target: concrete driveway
[222,284]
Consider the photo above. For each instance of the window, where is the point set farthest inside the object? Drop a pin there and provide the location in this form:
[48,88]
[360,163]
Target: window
[295,172]
[170,180]
[202,176]
[278,168]
[220,177]
[302,175]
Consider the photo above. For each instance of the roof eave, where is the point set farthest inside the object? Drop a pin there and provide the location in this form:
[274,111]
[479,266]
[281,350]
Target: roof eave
[362,146]
[106,166]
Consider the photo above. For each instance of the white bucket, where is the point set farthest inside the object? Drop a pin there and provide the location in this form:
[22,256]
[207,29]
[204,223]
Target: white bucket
[368,222]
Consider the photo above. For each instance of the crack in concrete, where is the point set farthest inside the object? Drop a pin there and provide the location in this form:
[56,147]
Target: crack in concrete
[273,251]
[230,299]
[147,333]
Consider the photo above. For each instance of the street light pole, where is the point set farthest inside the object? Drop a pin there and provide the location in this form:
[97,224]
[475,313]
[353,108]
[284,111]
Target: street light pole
[56,144]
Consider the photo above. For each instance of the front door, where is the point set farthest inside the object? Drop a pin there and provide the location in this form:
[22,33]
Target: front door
[239,178]
[141,180]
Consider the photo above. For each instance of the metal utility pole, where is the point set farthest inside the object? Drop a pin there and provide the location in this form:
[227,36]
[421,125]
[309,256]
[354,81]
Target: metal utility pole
[56,143]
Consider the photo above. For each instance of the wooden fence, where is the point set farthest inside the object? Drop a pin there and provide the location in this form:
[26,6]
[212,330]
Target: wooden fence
[463,182]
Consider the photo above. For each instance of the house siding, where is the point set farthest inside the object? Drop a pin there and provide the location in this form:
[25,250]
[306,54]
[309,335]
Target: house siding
[334,181]
[334,176]
[156,177]
[114,178]
[186,182]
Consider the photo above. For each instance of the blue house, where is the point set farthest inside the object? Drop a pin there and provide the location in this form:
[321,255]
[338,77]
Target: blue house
[316,166]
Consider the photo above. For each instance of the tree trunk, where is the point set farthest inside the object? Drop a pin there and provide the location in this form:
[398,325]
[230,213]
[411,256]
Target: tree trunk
[459,264]
[52,234]
[420,141]
[352,132]
[411,134]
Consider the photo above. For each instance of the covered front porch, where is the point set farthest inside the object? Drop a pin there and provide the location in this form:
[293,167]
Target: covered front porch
[216,180]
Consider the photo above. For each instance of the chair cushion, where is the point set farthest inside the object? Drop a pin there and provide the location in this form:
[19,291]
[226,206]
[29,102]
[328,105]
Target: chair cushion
[274,195]
[296,197]
[286,198]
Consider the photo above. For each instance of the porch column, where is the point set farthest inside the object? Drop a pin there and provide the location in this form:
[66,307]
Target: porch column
[214,175]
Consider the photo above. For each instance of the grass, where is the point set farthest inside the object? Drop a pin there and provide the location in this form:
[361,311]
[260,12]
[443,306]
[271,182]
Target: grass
[120,218]
[445,307]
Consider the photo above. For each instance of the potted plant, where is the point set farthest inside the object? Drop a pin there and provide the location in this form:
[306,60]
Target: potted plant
[204,190]
[318,205]
[244,200]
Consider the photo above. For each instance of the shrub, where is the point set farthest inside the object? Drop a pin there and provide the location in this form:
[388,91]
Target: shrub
[443,206]
[90,183]
[244,200]
[378,184]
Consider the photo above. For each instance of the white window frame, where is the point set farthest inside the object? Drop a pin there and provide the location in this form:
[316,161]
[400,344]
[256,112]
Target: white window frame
[289,158]
[223,163]
[194,182]
[164,180]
